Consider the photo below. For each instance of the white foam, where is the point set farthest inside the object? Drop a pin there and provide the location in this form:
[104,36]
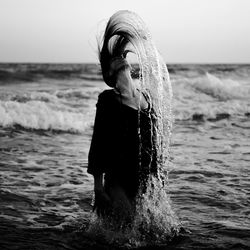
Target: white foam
[210,96]
[211,110]
[41,115]
[222,89]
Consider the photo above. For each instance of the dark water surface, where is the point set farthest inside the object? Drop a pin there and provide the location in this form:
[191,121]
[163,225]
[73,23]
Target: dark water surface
[46,118]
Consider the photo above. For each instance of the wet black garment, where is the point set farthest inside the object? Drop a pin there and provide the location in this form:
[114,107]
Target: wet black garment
[115,147]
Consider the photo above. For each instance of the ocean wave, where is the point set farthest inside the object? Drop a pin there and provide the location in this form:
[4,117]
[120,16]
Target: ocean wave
[91,77]
[221,89]
[33,96]
[211,111]
[13,73]
[54,97]
[75,93]
[209,98]
[39,115]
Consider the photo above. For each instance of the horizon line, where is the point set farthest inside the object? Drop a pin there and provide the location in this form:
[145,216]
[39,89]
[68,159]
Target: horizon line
[20,62]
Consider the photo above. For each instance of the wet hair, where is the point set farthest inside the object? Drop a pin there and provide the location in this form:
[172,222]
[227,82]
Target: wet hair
[115,40]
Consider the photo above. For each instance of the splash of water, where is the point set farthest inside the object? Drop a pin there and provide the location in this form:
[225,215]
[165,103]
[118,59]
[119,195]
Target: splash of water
[154,221]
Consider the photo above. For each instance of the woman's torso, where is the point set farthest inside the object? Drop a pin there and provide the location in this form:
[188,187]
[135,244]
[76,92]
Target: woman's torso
[131,142]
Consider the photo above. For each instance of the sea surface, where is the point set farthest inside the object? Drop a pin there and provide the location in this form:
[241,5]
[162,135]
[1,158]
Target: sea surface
[46,123]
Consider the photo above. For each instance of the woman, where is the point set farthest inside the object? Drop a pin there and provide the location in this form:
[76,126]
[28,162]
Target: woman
[123,152]
[115,147]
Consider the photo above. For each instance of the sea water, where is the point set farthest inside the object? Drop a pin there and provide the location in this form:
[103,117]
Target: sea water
[46,122]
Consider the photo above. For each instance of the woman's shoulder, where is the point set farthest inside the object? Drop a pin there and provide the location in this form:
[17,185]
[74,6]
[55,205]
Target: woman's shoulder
[107,93]
[106,97]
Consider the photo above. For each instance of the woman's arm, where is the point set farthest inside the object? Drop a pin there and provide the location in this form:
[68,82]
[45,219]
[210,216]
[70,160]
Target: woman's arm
[102,201]
[98,182]
[98,158]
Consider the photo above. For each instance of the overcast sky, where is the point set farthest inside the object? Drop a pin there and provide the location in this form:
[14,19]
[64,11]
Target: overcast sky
[201,31]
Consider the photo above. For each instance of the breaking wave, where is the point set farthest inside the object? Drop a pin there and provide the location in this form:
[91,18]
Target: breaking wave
[212,111]
[221,89]
[38,115]
[210,98]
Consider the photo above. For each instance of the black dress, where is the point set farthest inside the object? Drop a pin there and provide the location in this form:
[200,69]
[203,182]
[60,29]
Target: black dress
[123,144]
